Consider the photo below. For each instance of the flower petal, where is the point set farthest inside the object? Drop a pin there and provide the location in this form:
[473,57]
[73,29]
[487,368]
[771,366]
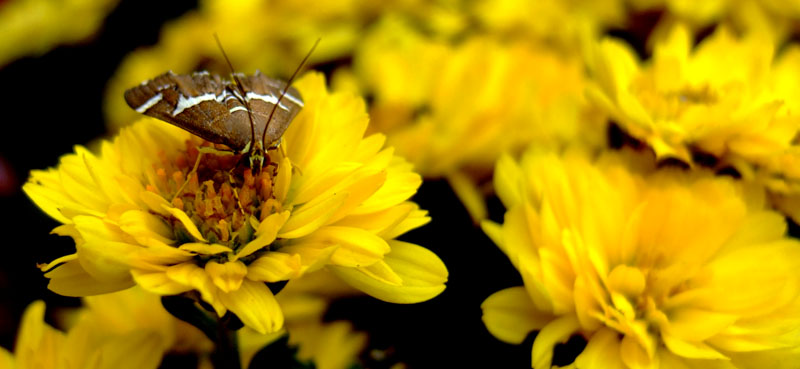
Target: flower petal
[273,267]
[226,276]
[599,351]
[557,331]
[205,248]
[158,283]
[309,217]
[265,234]
[510,315]
[357,247]
[422,272]
[255,305]
[70,279]
[184,219]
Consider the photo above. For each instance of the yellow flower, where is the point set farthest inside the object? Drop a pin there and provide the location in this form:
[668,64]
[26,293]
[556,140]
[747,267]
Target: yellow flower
[697,103]
[267,35]
[563,23]
[140,215]
[83,346]
[719,99]
[453,109]
[662,269]
[33,27]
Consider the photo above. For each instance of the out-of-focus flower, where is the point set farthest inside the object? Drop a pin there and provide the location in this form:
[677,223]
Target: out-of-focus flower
[84,346]
[33,27]
[453,109]
[662,269]
[140,215]
[566,24]
[688,102]
[266,35]
[773,19]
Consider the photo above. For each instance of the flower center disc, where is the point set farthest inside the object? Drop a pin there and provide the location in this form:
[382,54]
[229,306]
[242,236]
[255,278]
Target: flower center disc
[223,197]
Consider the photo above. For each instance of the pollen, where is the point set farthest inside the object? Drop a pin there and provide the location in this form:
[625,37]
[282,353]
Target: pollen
[217,190]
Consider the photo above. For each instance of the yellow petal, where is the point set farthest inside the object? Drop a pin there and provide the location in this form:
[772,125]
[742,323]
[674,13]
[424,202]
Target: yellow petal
[510,315]
[383,273]
[600,352]
[273,267]
[309,217]
[255,305]
[143,225]
[357,247]
[184,219]
[422,272]
[283,180]
[158,283]
[227,276]
[691,349]
[70,279]
[205,248]
[469,194]
[557,331]
[634,355]
[134,350]
[265,234]
[698,325]
[313,255]
[189,274]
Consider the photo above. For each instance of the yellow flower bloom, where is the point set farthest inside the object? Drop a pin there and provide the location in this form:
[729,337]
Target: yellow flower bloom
[267,35]
[33,27]
[336,200]
[563,23]
[699,101]
[665,269]
[451,109]
[86,345]
[688,102]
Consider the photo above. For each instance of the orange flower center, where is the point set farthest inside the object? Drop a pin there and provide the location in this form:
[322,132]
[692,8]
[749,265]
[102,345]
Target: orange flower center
[222,196]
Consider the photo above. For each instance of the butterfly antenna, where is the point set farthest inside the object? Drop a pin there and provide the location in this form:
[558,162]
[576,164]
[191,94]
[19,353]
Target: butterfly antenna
[286,89]
[243,98]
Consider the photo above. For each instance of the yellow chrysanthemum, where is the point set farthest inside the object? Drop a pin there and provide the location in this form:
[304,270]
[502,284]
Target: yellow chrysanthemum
[724,98]
[666,269]
[140,215]
[33,27]
[86,345]
[453,109]
[686,102]
[563,23]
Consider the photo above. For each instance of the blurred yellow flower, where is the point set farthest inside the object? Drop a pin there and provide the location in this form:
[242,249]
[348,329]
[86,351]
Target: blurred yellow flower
[663,269]
[140,216]
[453,109]
[727,100]
[719,99]
[566,24]
[267,35]
[33,27]
[83,346]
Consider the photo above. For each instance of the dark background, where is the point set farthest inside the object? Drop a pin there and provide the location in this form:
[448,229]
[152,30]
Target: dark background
[53,102]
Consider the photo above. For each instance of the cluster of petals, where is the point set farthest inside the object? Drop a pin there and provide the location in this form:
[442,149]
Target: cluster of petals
[654,268]
[338,201]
